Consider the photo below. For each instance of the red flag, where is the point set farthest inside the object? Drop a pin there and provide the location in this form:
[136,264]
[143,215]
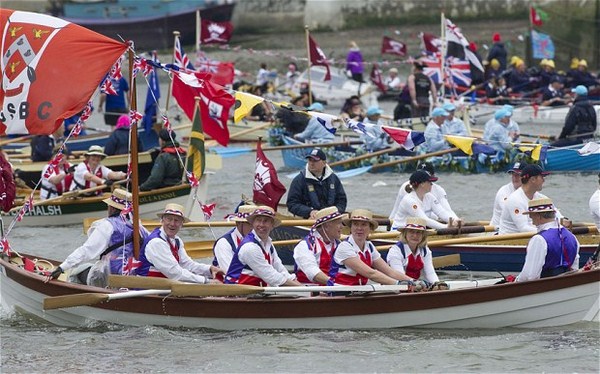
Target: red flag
[393,47]
[431,43]
[535,18]
[317,57]
[377,79]
[7,185]
[36,96]
[267,189]
[406,138]
[222,72]
[208,210]
[215,103]
[215,32]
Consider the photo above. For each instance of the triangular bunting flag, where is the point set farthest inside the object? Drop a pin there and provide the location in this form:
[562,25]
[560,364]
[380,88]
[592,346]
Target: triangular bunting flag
[244,102]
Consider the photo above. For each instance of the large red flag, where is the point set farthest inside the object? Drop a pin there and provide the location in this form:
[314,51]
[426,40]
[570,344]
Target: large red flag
[431,43]
[215,103]
[317,57]
[267,188]
[42,57]
[222,72]
[393,47]
[215,32]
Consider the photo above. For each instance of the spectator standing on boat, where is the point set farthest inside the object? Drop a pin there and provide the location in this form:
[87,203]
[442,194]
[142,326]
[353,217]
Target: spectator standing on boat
[512,220]
[410,255]
[227,244]
[595,205]
[118,141]
[434,135]
[115,104]
[163,254]
[256,261]
[498,51]
[352,109]
[315,132]
[497,134]
[313,253]
[375,139]
[91,173]
[392,81]
[167,170]
[315,188]
[505,191]
[552,95]
[354,64]
[420,86]
[291,76]
[581,121]
[554,250]
[109,239]
[453,125]
[419,202]
[436,190]
[356,261]
[56,179]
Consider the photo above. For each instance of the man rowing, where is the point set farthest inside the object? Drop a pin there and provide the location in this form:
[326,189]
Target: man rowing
[91,173]
[505,191]
[434,135]
[581,121]
[226,245]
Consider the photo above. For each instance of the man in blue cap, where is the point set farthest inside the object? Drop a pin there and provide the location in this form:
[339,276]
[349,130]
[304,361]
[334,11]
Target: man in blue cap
[315,131]
[581,121]
[375,139]
[315,188]
[453,125]
[497,135]
[434,136]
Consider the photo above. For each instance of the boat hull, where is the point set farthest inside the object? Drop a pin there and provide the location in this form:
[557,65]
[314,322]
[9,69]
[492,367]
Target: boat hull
[568,159]
[543,303]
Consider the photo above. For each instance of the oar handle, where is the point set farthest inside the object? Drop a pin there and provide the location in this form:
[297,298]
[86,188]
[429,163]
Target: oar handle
[414,158]
[362,157]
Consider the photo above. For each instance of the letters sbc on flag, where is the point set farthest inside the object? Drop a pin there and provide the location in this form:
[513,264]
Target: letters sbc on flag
[215,32]
[36,94]
[267,188]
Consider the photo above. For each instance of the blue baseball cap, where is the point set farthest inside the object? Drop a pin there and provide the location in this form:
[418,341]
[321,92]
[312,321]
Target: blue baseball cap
[318,107]
[373,110]
[449,107]
[580,90]
[439,112]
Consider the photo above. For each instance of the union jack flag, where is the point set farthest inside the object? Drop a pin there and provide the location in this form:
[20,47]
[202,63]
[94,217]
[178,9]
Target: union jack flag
[115,71]
[26,208]
[5,247]
[135,116]
[208,210]
[180,58]
[107,87]
[130,266]
[166,123]
[459,70]
[204,63]
[141,64]
[192,179]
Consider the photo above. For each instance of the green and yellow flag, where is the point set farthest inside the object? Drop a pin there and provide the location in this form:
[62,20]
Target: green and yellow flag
[196,154]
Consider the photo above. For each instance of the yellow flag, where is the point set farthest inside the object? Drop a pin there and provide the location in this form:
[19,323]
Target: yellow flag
[535,149]
[463,143]
[244,102]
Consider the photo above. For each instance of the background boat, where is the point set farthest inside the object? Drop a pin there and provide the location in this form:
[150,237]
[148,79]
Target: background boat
[567,159]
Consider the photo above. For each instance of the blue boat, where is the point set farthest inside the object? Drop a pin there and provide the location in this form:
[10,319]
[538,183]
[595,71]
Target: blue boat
[569,159]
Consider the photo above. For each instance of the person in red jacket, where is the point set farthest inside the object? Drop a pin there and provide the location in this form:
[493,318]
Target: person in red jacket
[7,184]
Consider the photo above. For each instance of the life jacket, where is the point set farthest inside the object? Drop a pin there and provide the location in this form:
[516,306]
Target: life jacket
[120,244]
[63,186]
[340,274]
[414,264]
[146,268]
[324,259]
[87,183]
[241,273]
[230,240]
[562,250]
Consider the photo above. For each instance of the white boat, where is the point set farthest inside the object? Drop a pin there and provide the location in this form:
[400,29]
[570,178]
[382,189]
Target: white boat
[541,115]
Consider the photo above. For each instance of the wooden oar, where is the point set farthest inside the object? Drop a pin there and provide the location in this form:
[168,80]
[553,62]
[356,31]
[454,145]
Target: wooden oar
[362,157]
[14,140]
[318,145]
[413,158]
[447,260]
[67,301]
[212,143]
[447,231]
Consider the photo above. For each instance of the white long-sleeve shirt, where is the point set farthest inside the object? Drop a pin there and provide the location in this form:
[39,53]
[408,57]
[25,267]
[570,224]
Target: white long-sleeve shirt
[274,274]
[307,260]
[595,207]
[79,175]
[537,249]
[436,190]
[224,252]
[412,206]
[501,196]
[512,219]
[98,240]
[159,254]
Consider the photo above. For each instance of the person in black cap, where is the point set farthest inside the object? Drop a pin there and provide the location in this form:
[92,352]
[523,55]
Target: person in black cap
[505,191]
[315,188]
[512,219]
[167,169]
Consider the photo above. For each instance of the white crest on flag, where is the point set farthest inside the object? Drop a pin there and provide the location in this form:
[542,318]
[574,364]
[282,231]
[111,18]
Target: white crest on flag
[396,46]
[262,176]
[215,110]
[215,31]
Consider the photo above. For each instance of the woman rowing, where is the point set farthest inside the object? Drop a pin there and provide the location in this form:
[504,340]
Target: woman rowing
[419,202]
[356,261]
[410,255]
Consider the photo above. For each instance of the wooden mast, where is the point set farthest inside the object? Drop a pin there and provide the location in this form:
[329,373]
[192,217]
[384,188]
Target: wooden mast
[134,163]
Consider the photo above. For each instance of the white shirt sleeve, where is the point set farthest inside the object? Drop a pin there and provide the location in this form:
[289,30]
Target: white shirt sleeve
[428,270]
[98,239]
[223,253]
[595,208]
[396,260]
[411,206]
[305,260]
[401,193]
[252,255]
[343,252]
[537,248]
[159,254]
[441,196]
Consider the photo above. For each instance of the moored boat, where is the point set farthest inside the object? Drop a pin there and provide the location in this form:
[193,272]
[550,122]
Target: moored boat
[546,302]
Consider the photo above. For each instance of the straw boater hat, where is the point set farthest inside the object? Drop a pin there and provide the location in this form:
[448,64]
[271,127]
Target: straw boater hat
[118,199]
[415,223]
[242,213]
[95,150]
[328,214]
[265,211]
[361,215]
[539,206]
[174,210]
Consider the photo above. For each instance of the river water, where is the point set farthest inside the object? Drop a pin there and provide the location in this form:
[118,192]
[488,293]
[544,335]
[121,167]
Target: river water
[33,346]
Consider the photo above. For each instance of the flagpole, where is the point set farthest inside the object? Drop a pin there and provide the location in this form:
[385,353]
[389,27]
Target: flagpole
[169,93]
[443,59]
[308,71]
[134,163]
[528,41]
[196,105]
[198,29]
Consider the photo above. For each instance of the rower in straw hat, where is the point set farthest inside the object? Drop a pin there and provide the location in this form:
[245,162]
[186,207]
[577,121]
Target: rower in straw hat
[226,245]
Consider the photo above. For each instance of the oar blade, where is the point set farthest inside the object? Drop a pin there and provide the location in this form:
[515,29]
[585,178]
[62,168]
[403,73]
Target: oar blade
[445,261]
[183,290]
[68,301]
[126,281]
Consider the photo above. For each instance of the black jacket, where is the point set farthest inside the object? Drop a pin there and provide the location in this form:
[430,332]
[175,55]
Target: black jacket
[118,142]
[581,120]
[307,193]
